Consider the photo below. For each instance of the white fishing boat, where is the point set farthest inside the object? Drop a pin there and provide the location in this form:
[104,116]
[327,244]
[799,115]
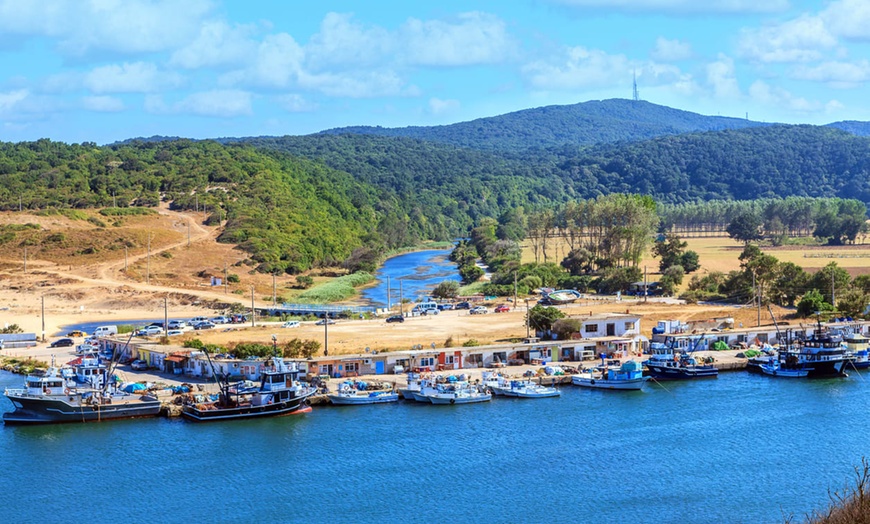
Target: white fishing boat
[628,377]
[524,389]
[774,368]
[458,393]
[347,395]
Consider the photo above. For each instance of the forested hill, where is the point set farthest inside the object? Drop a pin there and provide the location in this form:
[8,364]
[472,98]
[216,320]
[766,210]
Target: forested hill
[592,122]
[853,126]
[775,161]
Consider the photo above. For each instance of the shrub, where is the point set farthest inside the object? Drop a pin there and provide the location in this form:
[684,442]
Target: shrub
[470,343]
[336,290]
[126,211]
[233,278]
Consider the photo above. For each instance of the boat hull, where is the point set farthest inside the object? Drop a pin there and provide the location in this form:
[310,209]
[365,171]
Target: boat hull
[784,373]
[210,412]
[52,410]
[440,400]
[633,384]
[359,400]
[660,372]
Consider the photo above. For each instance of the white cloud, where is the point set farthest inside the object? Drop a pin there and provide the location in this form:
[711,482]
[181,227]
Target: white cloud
[682,6]
[278,63]
[768,95]
[438,106]
[295,103]
[471,38]
[799,40]
[342,41]
[671,50]
[578,68]
[835,74]
[722,78]
[848,18]
[11,99]
[217,44]
[221,103]
[119,26]
[359,84]
[103,104]
[135,77]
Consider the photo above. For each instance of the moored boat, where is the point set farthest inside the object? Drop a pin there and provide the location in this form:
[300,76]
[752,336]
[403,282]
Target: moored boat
[458,393]
[628,377]
[774,368]
[347,395]
[279,393]
[667,364]
[522,389]
[859,347]
[49,398]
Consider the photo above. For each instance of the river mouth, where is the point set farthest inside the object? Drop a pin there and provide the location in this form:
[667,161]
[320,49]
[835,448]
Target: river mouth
[411,276]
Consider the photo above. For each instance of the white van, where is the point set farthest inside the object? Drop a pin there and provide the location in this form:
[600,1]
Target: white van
[105,331]
[426,308]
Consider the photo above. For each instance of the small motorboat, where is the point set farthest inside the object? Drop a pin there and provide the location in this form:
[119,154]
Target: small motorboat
[349,396]
[628,377]
[458,393]
[523,389]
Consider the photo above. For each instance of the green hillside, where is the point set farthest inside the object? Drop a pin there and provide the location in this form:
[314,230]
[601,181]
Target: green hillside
[579,124]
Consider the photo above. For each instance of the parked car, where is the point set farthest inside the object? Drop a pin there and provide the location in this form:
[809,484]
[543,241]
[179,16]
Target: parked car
[174,332]
[150,331]
[478,310]
[462,305]
[395,318]
[139,365]
[194,320]
[76,333]
[177,324]
[291,324]
[238,319]
[502,308]
[220,320]
[430,311]
[324,321]
[83,349]
[445,307]
[62,343]
[205,324]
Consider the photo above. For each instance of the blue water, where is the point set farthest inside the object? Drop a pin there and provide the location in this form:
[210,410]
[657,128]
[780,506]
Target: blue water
[740,448]
[89,326]
[419,271]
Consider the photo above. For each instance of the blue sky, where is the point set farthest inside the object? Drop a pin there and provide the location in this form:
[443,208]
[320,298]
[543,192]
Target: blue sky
[105,70]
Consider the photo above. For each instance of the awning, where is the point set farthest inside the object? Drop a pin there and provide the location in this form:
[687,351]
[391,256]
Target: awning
[174,359]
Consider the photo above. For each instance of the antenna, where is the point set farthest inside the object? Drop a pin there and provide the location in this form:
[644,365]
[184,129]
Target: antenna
[634,82]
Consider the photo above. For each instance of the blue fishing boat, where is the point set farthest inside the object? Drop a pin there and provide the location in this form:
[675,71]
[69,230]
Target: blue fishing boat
[628,377]
[349,396]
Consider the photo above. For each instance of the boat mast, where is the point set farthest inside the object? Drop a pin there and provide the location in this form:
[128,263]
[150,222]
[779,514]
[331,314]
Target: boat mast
[113,363]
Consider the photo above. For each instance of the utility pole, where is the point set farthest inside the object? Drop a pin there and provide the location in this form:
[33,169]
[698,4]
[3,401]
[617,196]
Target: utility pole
[757,300]
[515,289]
[165,314]
[188,233]
[274,291]
[125,259]
[645,285]
[401,299]
[528,321]
[226,289]
[43,318]
[326,334]
[25,259]
[252,306]
[833,292]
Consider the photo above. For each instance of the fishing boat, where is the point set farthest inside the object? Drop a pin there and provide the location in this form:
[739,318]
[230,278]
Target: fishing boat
[774,368]
[524,389]
[859,347]
[50,398]
[628,377]
[279,393]
[414,384]
[348,395]
[823,354]
[458,393]
[667,364]
[560,296]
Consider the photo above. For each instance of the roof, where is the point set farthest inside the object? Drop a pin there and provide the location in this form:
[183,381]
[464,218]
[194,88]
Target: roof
[173,358]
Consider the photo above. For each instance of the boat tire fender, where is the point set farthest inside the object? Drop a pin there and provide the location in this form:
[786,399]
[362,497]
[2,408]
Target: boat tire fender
[774,372]
[592,382]
[453,401]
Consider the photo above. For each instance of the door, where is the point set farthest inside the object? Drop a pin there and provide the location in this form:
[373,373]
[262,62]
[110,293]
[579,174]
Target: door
[611,330]
[379,367]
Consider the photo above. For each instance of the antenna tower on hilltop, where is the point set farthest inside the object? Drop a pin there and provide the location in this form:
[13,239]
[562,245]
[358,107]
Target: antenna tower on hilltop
[635,93]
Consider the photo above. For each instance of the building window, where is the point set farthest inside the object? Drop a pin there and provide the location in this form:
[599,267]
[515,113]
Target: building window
[351,366]
[448,359]
[629,326]
[427,361]
[590,328]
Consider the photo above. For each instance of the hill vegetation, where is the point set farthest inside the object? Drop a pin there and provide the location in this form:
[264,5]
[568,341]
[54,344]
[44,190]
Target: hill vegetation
[615,120]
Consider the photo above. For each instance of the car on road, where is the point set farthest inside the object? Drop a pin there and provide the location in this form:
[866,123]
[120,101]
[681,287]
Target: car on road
[324,321]
[150,331]
[139,365]
[174,332]
[177,324]
[478,310]
[220,320]
[445,307]
[502,308]
[205,324]
[62,343]
[430,311]
[194,320]
[462,305]
[395,318]
[291,324]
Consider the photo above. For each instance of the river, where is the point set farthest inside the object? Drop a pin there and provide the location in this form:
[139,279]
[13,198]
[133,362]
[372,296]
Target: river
[740,448]
[418,271]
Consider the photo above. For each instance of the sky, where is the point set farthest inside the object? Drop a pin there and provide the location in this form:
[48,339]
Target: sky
[107,70]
